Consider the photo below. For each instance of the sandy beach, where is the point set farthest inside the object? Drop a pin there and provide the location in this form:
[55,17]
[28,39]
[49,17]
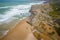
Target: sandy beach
[22,31]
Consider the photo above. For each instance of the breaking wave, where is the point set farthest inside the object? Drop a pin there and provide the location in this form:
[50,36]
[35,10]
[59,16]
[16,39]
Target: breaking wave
[16,10]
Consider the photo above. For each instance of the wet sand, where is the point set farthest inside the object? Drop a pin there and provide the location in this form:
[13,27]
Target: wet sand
[22,31]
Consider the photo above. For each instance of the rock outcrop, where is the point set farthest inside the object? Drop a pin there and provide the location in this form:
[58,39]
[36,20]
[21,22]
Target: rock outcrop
[43,24]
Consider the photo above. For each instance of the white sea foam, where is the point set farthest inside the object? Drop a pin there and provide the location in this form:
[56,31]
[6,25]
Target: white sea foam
[6,7]
[3,7]
[17,10]
[37,3]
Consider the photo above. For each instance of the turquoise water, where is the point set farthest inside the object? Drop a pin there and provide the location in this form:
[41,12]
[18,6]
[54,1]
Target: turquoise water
[15,9]
[5,6]
[11,3]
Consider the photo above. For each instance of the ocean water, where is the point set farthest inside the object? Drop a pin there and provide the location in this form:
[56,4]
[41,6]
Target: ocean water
[12,12]
[15,9]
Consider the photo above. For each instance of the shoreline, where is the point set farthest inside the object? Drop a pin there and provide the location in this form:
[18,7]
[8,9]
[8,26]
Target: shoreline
[23,31]
[7,31]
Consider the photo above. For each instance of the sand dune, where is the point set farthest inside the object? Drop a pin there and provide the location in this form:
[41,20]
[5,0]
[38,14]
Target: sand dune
[20,32]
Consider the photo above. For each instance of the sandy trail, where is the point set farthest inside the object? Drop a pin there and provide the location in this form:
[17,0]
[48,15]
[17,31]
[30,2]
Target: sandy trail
[20,32]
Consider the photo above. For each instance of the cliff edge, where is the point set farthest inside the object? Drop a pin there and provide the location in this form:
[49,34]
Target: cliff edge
[43,24]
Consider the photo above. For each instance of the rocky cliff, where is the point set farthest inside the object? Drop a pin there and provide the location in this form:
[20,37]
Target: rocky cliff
[43,24]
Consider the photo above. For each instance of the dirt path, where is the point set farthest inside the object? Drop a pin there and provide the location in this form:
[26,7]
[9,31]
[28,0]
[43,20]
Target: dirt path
[20,32]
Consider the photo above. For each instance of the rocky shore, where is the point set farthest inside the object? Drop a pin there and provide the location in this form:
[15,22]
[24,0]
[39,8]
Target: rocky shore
[42,22]
[38,26]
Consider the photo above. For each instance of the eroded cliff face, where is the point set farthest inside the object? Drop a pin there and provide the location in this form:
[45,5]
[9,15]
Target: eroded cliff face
[43,24]
[40,13]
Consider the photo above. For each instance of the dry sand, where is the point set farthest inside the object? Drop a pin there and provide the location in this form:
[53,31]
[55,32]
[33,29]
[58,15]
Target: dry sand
[22,31]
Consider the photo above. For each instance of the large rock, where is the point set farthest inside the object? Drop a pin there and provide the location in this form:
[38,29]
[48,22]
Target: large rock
[40,13]
[42,22]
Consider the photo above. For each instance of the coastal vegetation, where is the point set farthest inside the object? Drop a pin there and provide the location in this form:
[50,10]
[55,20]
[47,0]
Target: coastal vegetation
[56,11]
[55,14]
